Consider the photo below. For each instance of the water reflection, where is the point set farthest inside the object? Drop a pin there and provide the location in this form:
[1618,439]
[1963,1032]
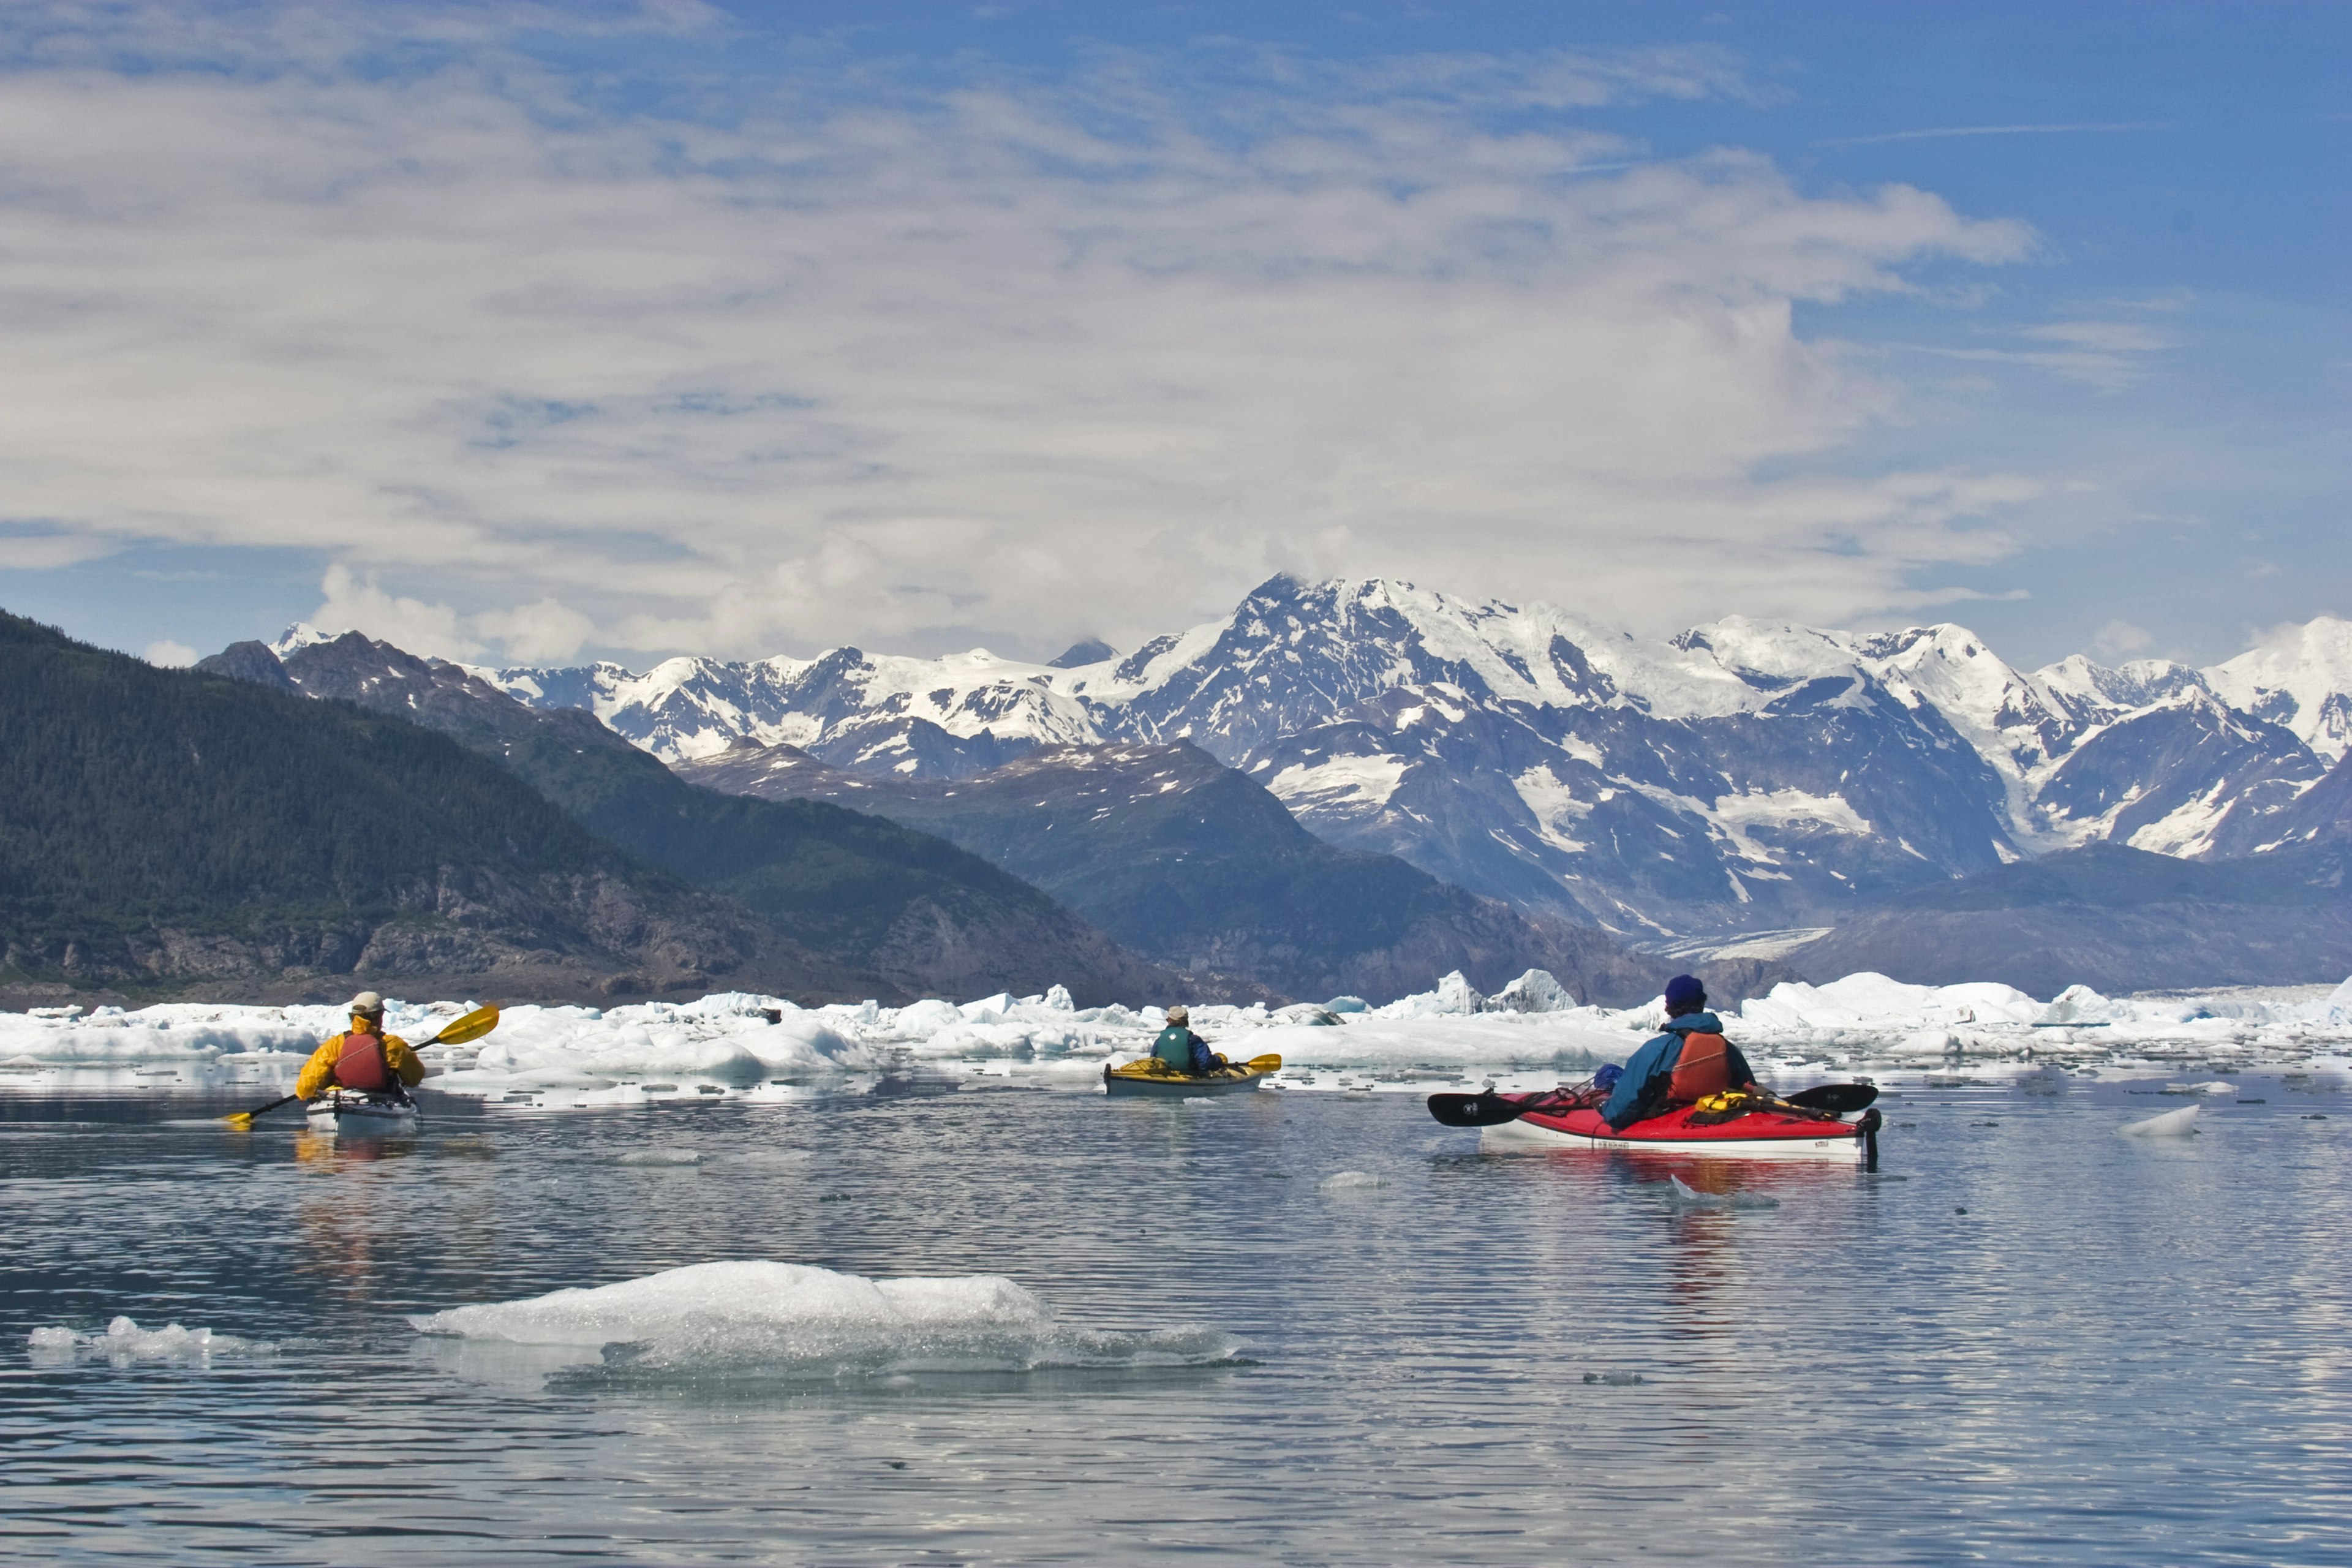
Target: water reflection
[2119,1351]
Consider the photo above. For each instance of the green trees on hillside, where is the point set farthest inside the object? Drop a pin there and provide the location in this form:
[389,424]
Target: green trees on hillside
[133,797]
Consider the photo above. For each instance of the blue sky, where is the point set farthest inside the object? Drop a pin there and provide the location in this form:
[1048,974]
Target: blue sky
[532,332]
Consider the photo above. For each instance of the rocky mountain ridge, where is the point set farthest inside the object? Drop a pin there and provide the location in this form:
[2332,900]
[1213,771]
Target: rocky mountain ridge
[1742,774]
[1193,864]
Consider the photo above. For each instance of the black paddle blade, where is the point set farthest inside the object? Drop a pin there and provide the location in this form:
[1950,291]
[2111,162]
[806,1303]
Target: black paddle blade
[1838,1099]
[1471,1109]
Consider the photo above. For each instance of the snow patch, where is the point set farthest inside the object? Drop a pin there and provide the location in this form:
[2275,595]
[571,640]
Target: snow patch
[1342,783]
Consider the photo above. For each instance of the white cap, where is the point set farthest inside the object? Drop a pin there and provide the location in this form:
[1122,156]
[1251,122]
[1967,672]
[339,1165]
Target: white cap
[367,1004]
[1178,1014]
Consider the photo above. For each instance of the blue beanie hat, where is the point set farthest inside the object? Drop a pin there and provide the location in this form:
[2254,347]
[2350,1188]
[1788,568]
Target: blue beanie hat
[1684,994]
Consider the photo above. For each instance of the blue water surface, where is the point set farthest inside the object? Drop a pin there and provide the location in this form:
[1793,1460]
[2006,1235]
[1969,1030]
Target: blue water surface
[2025,1340]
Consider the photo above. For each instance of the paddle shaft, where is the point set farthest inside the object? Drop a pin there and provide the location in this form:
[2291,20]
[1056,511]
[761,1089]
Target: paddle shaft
[261,1109]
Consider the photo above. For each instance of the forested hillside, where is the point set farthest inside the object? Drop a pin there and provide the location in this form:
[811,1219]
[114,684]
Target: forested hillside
[164,830]
[930,916]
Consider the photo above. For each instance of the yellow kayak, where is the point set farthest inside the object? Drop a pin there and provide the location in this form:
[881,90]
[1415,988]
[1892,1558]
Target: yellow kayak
[1153,1076]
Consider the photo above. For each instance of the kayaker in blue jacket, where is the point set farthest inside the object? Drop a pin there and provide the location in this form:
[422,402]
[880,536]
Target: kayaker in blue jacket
[1686,1060]
[1183,1049]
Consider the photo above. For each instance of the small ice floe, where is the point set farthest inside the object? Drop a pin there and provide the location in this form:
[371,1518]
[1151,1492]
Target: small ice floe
[1683,1195]
[125,1342]
[1199,1100]
[768,1158]
[1615,1379]
[2171,1124]
[2216,1087]
[660,1157]
[759,1319]
[1350,1181]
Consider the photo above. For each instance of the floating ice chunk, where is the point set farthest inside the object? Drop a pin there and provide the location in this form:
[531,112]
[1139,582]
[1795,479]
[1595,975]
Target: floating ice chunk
[1683,1195]
[2171,1124]
[2216,1087]
[660,1157]
[1358,1005]
[989,1009]
[791,1320]
[921,1020]
[1454,998]
[125,1342]
[1350,1181]
[2078,1004]
[1537,991]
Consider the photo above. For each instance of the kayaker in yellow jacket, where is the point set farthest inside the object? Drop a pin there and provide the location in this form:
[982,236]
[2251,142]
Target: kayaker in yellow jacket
[361,1057]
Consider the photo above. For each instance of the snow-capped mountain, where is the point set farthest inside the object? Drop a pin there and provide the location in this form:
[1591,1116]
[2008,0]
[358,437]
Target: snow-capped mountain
[1742,773]
[2300,677]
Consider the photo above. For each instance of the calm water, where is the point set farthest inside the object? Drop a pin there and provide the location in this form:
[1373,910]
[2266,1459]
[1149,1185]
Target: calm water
[2122,1352]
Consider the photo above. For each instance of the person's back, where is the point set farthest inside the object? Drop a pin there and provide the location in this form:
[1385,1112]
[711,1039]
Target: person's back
[1183,1049]
[1685,1061]
[362,1058]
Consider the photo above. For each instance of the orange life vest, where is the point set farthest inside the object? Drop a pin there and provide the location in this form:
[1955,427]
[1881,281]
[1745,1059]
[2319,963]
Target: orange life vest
[363,1065]
[1703,1069]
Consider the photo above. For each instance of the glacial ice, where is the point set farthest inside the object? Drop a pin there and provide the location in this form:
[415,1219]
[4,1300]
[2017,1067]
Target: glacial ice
[741,1044]
[2171,1124]
[124,1342]
[793,1320]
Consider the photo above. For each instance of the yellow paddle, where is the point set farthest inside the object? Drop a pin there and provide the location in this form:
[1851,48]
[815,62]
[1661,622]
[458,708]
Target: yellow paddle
[472,1026]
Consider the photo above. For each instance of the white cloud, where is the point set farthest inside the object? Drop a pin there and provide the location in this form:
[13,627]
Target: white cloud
[2103,355]
[1948,131]
[165,654]
[544,632]
[915,368]
[46,552]
[2120,639]
[353,604]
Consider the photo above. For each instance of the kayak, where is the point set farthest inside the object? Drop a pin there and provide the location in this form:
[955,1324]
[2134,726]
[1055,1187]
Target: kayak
[1759,1135]
[1153,1076]
[344,1112]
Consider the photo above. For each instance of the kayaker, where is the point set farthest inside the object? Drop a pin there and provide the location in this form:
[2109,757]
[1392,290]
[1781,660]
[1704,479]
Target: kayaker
[361,1057]
[1685,1062]
[1183,1049]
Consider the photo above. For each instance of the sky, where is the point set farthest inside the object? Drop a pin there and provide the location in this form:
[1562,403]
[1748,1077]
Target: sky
[534,334]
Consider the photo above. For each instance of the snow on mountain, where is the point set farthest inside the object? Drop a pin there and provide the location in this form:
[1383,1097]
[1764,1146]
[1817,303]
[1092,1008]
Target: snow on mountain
[1744,773]
[960,714]
[298,637]
[2300,678]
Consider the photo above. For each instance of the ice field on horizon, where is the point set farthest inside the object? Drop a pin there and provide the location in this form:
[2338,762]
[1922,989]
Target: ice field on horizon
[740,1045]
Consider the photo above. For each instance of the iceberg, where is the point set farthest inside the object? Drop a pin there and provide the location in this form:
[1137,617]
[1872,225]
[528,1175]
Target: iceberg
[2171,1124]
[797,1320]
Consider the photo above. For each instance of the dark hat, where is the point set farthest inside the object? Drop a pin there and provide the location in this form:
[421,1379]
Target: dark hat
[1684,994]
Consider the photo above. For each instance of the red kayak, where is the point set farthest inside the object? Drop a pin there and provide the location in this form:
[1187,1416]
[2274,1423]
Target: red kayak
[1759,1135]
